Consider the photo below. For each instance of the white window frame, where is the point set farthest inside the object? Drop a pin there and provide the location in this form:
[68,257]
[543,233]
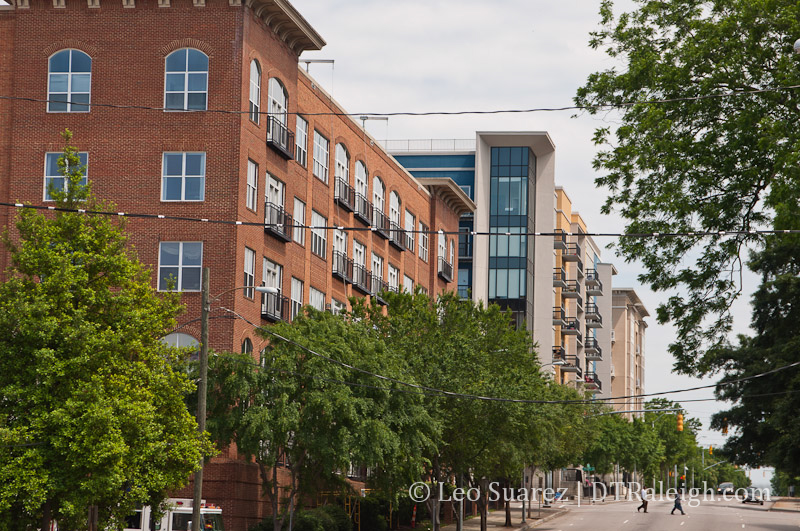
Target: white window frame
[186,73]
[378,194]
[342,163]
[251,198]
[321,147]
[377,264]
[359,253]
[316,299]
[60,176]
[441,248]
[296,297]
[70,92]
[395,207]
[408,284]
[362,178]
[340,241]
[272,274]
[278,101]
[249,272]
[338,307]
[255,91]
[301,142]
[183,176]
[423,242]
[299,213]
[181,267]
[452,251]
[410,223]
[319,236]
[394,278]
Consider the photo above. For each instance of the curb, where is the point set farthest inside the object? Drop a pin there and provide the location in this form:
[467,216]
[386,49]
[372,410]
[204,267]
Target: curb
[562,512]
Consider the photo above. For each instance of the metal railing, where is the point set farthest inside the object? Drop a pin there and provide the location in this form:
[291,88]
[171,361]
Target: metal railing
[274,307]
[363,209]
[380,222]
[279,137]
[445,270]
[362,279]
[397,236]
[431,144]
[344,194]
[277,221]
[342,267]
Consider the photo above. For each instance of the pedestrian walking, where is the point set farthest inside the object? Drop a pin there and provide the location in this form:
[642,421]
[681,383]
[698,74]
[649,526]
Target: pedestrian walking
[643,494]
[677,504]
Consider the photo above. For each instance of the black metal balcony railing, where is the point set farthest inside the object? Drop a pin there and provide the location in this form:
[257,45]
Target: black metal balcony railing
[397,236]
[560,240]
[572,252]
[277,222]
[592,381]
[274,307]
[567,362]
[571,326]
[279,137]
[342,267]
[362,279]
[445,270]
[579,303]
[592,349]
[380,223]
[377,288]
[363,209]
[593,284]
[559,278]
[571,289]
[593,315]
[579,268]
[559,316]
[345,195]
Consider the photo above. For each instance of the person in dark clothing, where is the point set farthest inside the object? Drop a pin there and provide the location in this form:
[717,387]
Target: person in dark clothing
[677,504]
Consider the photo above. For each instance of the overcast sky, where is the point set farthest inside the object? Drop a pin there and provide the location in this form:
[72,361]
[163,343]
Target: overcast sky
[457,55]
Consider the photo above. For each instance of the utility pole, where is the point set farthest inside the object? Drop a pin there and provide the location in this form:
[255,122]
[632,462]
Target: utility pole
[202,389]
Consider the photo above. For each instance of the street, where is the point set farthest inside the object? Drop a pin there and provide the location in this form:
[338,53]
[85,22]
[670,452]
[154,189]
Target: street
[708,516]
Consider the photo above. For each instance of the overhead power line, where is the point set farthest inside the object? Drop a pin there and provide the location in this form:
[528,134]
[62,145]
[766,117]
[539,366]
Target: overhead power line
[605,106]
[687,234]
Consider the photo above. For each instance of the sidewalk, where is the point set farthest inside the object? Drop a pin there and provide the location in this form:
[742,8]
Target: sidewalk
[786,504]
[496,519]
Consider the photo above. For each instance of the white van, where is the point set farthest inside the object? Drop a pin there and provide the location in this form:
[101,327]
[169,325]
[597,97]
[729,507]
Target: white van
[178,517]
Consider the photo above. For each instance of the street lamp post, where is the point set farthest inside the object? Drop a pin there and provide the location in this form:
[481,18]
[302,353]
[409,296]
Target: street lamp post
[202,384]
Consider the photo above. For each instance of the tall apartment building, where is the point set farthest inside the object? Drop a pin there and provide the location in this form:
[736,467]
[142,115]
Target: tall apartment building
[231,129]
[582,309]
[628,349]
[510,177]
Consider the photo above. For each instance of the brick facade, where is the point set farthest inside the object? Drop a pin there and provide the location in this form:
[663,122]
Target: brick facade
[128,47]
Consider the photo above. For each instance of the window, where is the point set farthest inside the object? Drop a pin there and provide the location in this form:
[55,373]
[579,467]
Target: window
[316,299]
[179,340]
[338,307]
[247,346]
[408,284]
[69,81]
[301,142]
[278,101]
[272,274]
[54,179]
[255,90]
[319,239]
[179,266]
[359,253]
[183,177]
[378,194]
[186,80]
[276,191]
[342,163]
[394,208]
[340,241]
[452,251]
[377,266]
[394,278]
[361,179]
[299,232]
[320,157]
[410,224]
[423,242]
[249,271]
[441,249]
[297,297]
[252,185]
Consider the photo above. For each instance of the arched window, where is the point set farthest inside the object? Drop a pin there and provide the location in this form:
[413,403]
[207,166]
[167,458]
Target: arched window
[179,340]
[255,90]
[378,194]
[247,346]
[278,101]
[69,81]
[442,246]
[394,208]
[361,180]
[342,163]
[186,80]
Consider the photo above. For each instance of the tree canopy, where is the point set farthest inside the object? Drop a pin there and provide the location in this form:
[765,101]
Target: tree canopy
[706,141]
[91,410]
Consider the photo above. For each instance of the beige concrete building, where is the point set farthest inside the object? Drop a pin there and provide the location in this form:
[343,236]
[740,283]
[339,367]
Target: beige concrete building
[628,337]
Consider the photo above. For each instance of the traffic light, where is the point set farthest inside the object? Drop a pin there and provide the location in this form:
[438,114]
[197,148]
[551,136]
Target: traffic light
[680,421]
[725,426]
[710,450]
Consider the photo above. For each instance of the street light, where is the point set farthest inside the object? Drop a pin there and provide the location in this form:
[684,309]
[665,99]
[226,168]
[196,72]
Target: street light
[202,385]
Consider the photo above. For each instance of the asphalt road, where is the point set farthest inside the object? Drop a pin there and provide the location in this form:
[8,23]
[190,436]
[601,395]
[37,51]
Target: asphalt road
[708,516]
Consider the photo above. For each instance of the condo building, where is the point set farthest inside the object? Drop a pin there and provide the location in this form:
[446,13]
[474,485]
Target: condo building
[628,342]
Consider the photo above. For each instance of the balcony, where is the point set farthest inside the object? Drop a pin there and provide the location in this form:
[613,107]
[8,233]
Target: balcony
[592,350]
[559,317]
[572,253]
[566,362]
[377,288]
[571,326]
[593,284]
[277,222]
[560,240]
[559,278]
[579,268]
[345,195]
[593,317]
[380,223]
[397,236]
[445,270]
[280,138]
[592,382]
[274,307]
[363,210]
[570,291]
[362,279]
[579,304]
[342,267]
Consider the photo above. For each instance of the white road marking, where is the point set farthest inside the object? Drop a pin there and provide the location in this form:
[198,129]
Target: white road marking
[626,521]
[683,523]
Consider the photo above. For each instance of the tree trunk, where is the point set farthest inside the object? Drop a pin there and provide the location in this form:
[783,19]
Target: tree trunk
[46,516]
[507,504]
[483,503]
[459,510]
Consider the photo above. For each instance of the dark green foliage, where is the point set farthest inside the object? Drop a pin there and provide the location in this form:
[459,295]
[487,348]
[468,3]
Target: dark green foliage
[325,518]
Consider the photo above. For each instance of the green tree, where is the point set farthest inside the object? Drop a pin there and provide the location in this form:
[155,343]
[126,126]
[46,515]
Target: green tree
[702,160]
[680,447]
[92,412]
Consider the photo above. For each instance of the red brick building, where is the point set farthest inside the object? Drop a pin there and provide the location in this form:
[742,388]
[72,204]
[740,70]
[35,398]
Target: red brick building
[264,144]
